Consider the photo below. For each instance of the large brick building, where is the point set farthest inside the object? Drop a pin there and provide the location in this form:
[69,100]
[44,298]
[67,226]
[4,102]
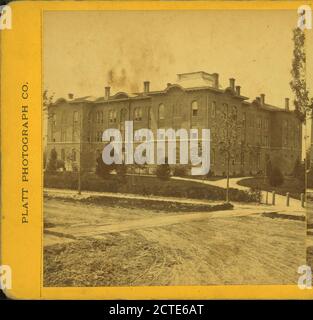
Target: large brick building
[75,125]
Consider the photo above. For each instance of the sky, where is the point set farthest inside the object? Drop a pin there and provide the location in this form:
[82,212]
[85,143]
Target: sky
[86,51]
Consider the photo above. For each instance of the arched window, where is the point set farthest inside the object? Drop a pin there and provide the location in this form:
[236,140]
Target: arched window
[213,109]
[75,117]
[194,108]
[90,117]
[63,119]
[110,115]
[137,114]
[235,112]
[54,119]
[161,112]
[123,114]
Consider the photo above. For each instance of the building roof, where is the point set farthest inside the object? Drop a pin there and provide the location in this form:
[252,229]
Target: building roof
[191,81]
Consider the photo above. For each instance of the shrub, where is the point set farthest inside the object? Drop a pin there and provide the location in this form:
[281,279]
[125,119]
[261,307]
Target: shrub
[102,169]
[299,171]
[52,164]
[121,171]
[269,168]
[180,171]
[145,186]
[60,164]
[276,178]
[163,171]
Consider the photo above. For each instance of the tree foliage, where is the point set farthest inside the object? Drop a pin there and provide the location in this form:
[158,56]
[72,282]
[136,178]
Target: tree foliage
[103,170]
[276,178]
[52,163]
[163,171]
[302,102]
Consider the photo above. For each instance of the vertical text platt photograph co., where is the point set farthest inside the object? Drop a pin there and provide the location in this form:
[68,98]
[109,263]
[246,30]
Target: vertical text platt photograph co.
[176,148]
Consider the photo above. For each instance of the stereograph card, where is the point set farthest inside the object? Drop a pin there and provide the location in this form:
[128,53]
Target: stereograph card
[156,149]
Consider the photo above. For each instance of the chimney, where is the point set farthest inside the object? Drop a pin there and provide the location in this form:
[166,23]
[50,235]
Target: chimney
[107,93]
[215,76]
[169,84]
[262,98]
[70,96]
[232,83]
[287,104]
[258,99]
[146,86]
[238,90]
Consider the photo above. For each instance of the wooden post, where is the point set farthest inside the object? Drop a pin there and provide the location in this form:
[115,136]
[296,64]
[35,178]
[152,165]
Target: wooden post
[273,198]
[287,199]
[302,200]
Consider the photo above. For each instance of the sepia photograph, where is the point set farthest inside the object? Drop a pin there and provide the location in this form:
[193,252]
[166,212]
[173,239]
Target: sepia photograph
[176,148]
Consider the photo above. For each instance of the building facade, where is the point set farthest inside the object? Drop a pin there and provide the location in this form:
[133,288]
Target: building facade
[264,132]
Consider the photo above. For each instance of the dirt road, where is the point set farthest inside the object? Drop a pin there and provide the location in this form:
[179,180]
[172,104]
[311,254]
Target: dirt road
[184,249]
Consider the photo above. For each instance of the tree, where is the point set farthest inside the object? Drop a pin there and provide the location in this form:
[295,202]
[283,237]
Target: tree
[52,164]
[228,131]
[276,178]
[103,170]
[47,99]
[299,171]
[121,171]
[163,171]
[303,104]
[269,168]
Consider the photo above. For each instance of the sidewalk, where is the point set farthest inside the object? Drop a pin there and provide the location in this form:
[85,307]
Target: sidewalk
[239,207]
[280,201]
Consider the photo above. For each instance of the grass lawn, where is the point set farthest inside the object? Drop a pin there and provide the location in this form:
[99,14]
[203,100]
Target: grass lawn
[145,185]
[291,185]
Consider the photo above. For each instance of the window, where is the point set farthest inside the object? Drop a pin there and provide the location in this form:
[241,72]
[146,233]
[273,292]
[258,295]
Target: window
[75,117]
[242,158]
[194,108]
[73,154]
[112,116]
[89,117]
[123,113]
[285,132]
[150,113]
[234,113]
[101,117]
[64,118]
[213,109]
[244,120]
[266,141]
[63,154]
[137,114]
[63,135]
[54,119]
[161,111]
[266,124]
[259,123]
[258,161]
[149,117]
